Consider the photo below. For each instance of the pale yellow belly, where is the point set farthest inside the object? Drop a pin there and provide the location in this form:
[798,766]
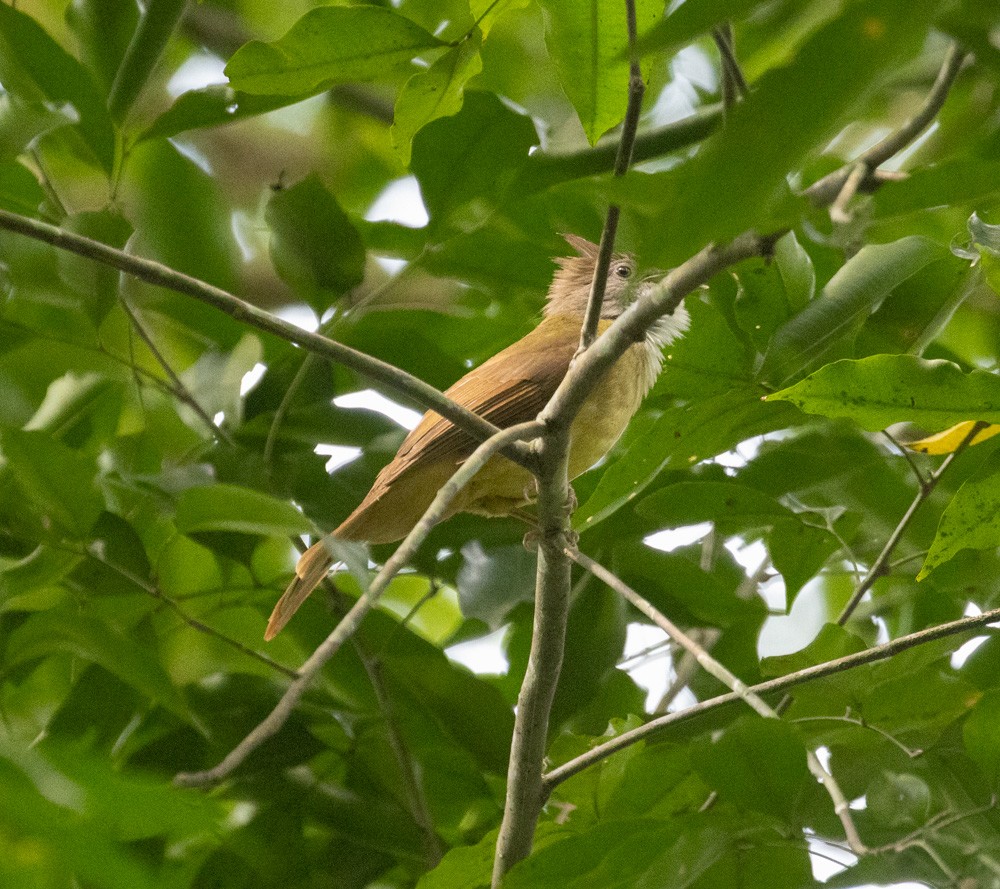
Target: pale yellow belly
[502,485]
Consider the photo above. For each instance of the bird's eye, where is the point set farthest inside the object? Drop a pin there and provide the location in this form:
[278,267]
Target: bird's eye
[623,271]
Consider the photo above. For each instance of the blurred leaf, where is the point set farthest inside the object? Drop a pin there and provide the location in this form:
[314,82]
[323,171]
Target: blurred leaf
[34,67]
[228,508]
[885,389]
[470,158]
[19,190]
[491,582]
[589,44]
[693,19]
[156,23]
[85,636]
[971,520]
[857,289]
[103,29]
[316,53]
[314,247]
[899,800]
[980,735]
[60,481]
[436,92]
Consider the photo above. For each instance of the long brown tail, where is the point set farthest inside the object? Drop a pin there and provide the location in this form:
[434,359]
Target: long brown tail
[312,567]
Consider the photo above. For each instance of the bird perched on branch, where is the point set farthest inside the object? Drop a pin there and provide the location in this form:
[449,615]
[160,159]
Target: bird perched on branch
[511,387]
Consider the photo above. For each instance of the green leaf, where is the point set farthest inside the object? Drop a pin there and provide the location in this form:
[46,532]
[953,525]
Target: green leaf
[681,437]
[757,764]
[57,479]
[851,295]
[471,158]
[979,733]
[491,582]
[950,183]
[327,46]
[19,189]
[899,799]
[314,247]
[885,389]
[971,520]
[34,67]
[436,92]
[229,508]
[156,23]
[103,29]
[67,630]
[588,41]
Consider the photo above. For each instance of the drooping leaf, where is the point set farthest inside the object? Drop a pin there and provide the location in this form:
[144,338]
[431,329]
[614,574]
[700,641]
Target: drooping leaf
[229,508]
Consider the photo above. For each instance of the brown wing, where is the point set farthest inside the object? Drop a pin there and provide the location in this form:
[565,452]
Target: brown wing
[511,387]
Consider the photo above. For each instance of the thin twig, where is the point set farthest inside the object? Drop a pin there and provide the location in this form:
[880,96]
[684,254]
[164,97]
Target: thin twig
[841,805]
[156,593]
[160,275]
[415,796]
[838,209]
[273,722]
[828,668]
[912,753]
[907,456]
[282,409]
[734,84]
[178,387]
[636,90]
[881,565]
[825,190]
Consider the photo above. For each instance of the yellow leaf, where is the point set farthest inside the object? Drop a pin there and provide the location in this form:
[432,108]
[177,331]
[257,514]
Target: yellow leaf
[947,441]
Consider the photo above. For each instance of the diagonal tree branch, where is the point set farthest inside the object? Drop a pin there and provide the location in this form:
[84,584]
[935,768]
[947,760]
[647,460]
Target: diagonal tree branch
[160,275]
[556,776]
[714,668]
[350,622]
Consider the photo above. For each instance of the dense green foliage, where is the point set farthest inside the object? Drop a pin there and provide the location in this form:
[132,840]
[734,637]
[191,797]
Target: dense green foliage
[147,500]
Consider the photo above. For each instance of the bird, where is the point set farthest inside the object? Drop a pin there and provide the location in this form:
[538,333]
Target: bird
[511,387]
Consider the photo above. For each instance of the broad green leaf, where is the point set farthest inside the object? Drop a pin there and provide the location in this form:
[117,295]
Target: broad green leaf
[950,183]
[156,23]
[680,438]
[885,389]
[35,68]
[491,582]
[60,481]
[327,46]
[831,642]
[971,520]
[854,292]
[229,508]
[96,284]
[588,41]
[471,158]
[67,630]
[436,92]
[486,12]
[758,763]
[899,799]
[314,247]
